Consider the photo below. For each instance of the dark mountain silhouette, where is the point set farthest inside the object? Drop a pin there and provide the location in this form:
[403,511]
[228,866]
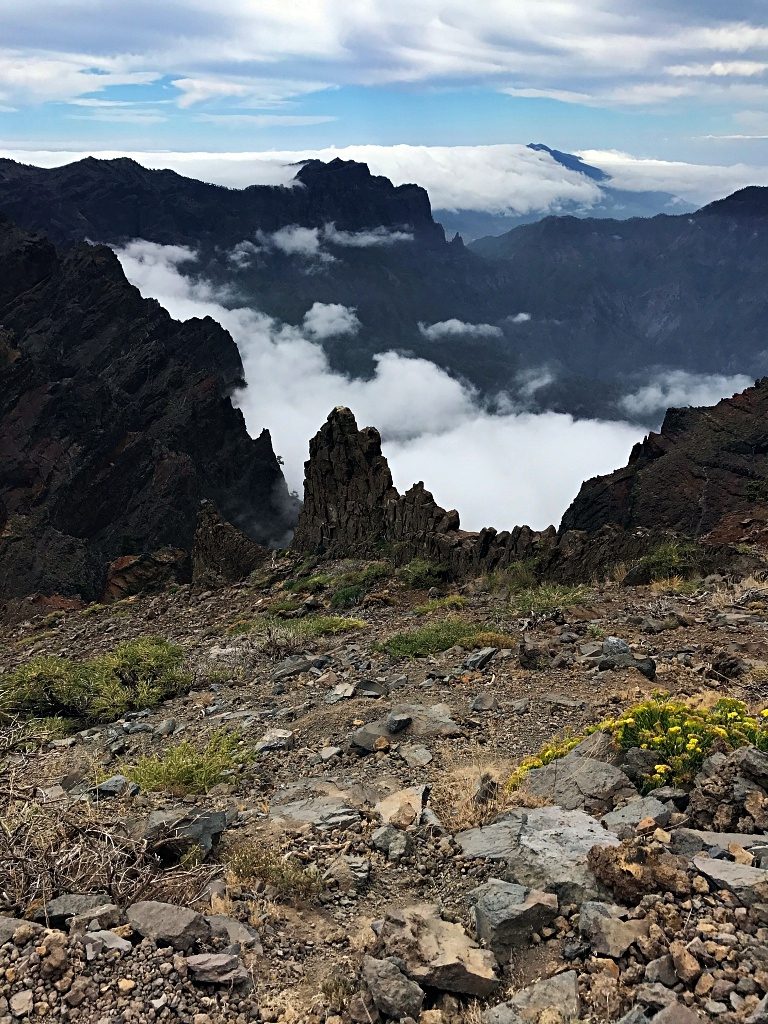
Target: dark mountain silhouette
[115,423]
[607,303]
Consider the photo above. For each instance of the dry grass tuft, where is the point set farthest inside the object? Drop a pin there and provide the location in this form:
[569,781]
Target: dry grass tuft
[453,795]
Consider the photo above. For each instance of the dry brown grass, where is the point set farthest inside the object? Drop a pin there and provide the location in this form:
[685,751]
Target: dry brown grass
[453,790]
[742,591]
[47,850]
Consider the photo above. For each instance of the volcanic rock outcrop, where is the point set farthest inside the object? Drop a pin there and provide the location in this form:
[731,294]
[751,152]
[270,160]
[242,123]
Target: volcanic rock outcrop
[351,508]
[115,423]
[704,474]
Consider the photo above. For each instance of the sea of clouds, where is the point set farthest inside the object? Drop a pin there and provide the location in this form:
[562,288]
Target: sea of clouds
[497,463]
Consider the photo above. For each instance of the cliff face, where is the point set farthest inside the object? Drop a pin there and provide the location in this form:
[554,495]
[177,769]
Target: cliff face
[704,474]
[117,200]
[115,423]
[351,508]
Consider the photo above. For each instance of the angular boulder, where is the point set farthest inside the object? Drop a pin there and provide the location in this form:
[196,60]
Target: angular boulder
[544,848]
[580,783]
[505,914]
[168,924]
[437,954]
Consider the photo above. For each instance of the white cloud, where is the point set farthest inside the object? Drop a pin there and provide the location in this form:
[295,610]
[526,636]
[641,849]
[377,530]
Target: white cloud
[293,240]
[519,318]
[698,183]
[719,69]
[677,388]
[365,239]
[266,120]
[433,426]
[330,320]
[454,328]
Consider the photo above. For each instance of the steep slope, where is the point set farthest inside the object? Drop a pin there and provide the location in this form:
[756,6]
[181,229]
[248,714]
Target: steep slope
[705,472]
[114,424]
[681,291]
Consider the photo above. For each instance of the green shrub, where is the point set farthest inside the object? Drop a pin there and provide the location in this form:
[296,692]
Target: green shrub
[517,576]
[452,601]
[680,735]
[138,674]
[284,604]
[673,558]
[326,625]
[353,586]
[491,638]
[431,638]
[420,574]
[185,769]
[546,598]
[254,861]
[309,584]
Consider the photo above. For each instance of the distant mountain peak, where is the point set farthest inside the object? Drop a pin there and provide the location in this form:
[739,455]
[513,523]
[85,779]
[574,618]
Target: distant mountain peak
[571,161]
[751,201]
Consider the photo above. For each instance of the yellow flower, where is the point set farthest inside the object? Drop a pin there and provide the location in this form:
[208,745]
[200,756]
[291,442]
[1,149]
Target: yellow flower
[662,768]
[733,714]
[675,729]
[643,746]
[631,721]
[764,713]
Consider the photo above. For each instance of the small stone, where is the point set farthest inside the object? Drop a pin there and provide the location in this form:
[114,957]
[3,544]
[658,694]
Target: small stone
[125,985]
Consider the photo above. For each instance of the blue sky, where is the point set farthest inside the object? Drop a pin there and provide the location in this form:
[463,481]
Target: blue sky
[665,79]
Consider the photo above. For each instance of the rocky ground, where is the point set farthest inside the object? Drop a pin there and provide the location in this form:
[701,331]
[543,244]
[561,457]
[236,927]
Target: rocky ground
[360,859]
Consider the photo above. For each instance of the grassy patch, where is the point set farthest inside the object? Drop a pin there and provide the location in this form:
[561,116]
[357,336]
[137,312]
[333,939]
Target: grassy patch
[491,638]
[252,861]
[517,576]
[185,769]
[309,584]
[430,638]
[419,574]
[138,674]
[439,604]
[546,598]
[284,604]
[352,586]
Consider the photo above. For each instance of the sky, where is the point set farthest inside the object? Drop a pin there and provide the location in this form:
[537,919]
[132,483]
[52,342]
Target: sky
[664,89]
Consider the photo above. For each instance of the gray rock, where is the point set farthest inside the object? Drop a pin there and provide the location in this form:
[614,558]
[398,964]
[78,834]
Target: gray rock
[276,739]
[223,927]
[8,926]
[108,940]
[58,911]
[636,1015]
[677,1013]
[485,702]
[115,785]
[624,820]
[760,1013]
[177,832]
[217,968]
[168,924]
[560,992]
[615,645]
[392,992]
[106,916]
[661,970]
[580,783]
[291,667]
[415,756]
[656,996]
[601,925]
[397,721]
[479,659]
[324,812]
[166,728]
[646,666]
[749,884]
[391,841]
[424,722]
[690,841]
[438,954]
[505,914]
[544,848]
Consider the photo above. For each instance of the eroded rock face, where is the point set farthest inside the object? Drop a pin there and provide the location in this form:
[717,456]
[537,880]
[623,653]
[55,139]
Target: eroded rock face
[701,474]
[115,422]
[351,508]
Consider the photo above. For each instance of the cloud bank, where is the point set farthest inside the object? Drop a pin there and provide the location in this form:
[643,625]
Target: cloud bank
[497,468]
[454,328]
[495,179]
[677,388]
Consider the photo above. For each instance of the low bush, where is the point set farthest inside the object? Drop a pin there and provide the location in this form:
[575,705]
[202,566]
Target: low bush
[517,576]
[491,638]
[419,574]
[252,861]
[673,558]
[138,674]
[186,769]
[680,735]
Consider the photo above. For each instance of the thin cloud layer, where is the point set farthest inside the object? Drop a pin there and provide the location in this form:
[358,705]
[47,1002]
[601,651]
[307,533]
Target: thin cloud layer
[676,388]
[458,329]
